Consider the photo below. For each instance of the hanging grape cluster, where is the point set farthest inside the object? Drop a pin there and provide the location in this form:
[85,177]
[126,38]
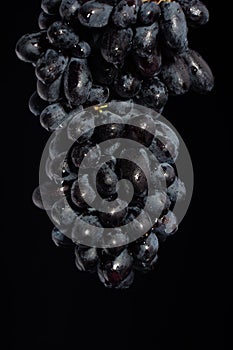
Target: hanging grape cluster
[89,53]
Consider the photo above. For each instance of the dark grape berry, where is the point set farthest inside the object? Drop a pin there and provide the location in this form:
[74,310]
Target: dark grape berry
[114,272]
[145,40]
[53,116]
[81,50]
[138,129]
[62,36]
[125,13]
[45,20]
[85,195]
[115,44]
[36,104]
[50,92]
[149,65]
[94,14]
[157,204]
[86,258]
[116,240]
[81,127]
[68,9]
[149,13]
[31,46]
[116,215]
[166,226]
[87,230]
[174,26]
[133,173]
[50,66]
[80,151]
[202,80]
[77,81]
[175,76]
[154,94]
[103,72]
[98,94]
[106,181]
[195,11]
[176,191]
[51,7]
[144,251]
[60,239]
[169,173]
[127,85]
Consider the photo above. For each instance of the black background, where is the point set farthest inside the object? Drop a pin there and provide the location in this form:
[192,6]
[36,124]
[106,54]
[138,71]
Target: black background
[185,304]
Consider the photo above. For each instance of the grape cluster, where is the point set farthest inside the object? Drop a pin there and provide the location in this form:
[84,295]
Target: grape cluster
[90,52]
[113,254]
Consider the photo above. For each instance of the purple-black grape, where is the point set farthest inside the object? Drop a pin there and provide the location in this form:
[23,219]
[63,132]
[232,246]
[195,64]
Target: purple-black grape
[127,86]
[168,141]
[81,197]
[30,46]
[50,92]
[77,81]
[202,79]
[195,11]
[125,13]
[177,191]
[149,13]
[45,20]
[85,230]
[103,72]
[115,44]
[175,76]
[50,66]
[137,130]
[36,104]
[46,195]
[116,240]
[149,65]
[81,127]
[144,251]
[109,129]
[134,174]
[174,26]
[57,169]
[86,258]
[116,216]
[154,94]
[98,94]
[166,226]
[62,36]
[94,14]
[116,272]
[81,50]
[106,181]
[52,117]
[145,40]
[79,152]
[60,239]
[159,149]
[157,204]
[51,7]
[169,173]
[68,9]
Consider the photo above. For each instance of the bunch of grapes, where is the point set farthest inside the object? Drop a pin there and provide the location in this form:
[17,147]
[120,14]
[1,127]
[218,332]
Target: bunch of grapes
[91,52]
[105,246]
